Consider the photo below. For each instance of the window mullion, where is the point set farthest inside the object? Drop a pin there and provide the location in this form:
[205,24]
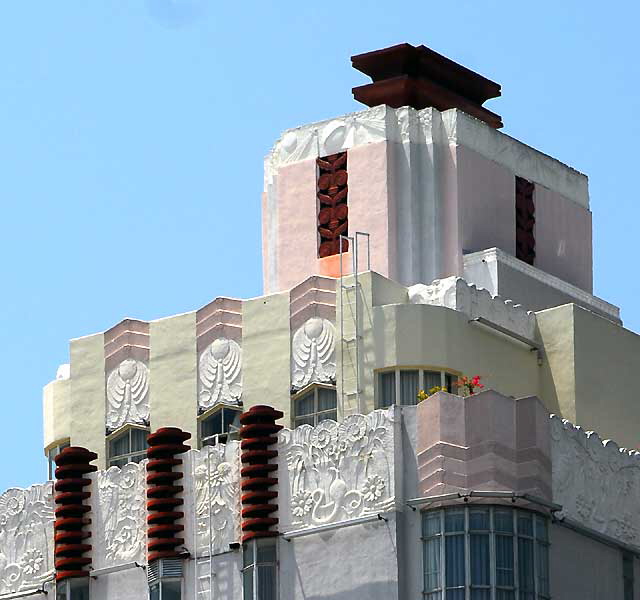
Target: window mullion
[396,383]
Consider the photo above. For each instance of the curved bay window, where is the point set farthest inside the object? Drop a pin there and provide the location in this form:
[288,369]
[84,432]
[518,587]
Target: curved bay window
[129,445]
[314,405]
[485,553]
[401,386]
[52,452]
[216,425]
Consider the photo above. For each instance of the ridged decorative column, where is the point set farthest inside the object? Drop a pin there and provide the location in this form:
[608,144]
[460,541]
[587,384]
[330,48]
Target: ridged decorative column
[162,492]
[70,497]
[258,433]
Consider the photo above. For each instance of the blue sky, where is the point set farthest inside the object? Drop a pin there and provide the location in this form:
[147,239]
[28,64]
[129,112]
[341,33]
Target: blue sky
[132,136]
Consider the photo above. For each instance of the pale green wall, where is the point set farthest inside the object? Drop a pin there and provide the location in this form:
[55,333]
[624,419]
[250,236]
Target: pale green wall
[266,350]
[173,374]
[87,426]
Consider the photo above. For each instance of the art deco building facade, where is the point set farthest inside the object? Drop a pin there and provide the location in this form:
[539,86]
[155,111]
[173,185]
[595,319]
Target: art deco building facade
[275,448]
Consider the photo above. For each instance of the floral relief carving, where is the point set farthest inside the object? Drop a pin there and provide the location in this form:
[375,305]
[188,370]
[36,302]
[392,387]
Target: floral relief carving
[595,481]
[217,497]
[313,353]
[338,471]
[128,394]
[26,537]
[121,514]
[220,373]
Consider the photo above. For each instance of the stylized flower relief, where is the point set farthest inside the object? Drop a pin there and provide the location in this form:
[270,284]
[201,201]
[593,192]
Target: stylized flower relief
[126,541]
[373,488]
[3,521]
[337,449]
[322,435]
[31,562]
[353,428]
[301,503]
[12,502]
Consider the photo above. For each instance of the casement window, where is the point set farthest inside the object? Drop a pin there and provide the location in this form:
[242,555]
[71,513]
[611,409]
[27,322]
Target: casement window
[401,386]
[260,569]
[52,452]
[128,446]
[165,579]
[627,575]
[485,553]
[315,404]
[73,589]
[215,426]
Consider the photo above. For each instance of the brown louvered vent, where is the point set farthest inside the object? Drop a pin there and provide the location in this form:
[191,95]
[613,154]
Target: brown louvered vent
[332,204]
[525,221]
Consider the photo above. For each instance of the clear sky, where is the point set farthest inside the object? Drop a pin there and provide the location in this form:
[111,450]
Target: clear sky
[132,136]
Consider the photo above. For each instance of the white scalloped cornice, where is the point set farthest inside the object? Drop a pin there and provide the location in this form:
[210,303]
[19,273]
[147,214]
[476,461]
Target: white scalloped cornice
[313,349]
[596,482]
[337,471]
[457,294]
[128,394]
[26,537]
[220,373]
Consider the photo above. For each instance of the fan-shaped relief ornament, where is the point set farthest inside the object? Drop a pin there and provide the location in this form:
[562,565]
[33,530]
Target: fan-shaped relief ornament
[26,537]
[121,514]
[220,373]
[313,353]
[339,471]
[217,496]
[128,394]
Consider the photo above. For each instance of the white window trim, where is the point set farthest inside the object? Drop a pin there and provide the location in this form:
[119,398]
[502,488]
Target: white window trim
[421,370]
[119,433]
[65,442]
[209,413]
[305,391]
[252,545]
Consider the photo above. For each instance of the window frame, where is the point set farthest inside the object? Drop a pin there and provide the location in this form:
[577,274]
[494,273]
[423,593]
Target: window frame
[58,445]
[421,371]
[205,416]
[538,541]
[312,388]
[119,433]
[160,585]
[65,588]
[252,546]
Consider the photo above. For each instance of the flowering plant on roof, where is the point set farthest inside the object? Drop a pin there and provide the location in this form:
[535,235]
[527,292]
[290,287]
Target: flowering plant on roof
[422,395]
[469,385]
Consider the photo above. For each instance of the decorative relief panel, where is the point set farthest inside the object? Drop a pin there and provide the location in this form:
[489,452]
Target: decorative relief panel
[456,293]
[332,200]
[26,537]
[216,497]
[337,471]
[220,373]
[120,513]
[596,482]
[128,394]
[313,353]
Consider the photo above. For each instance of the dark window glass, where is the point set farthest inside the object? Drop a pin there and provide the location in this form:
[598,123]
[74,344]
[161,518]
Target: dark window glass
[171,590]
[387,388]
[431,379]
[327,399]
[409,387]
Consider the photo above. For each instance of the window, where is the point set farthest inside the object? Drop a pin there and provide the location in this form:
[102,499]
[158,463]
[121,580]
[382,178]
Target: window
[216,426]
[627,575]
[73,589]
[165,579]
[401,386]
[315,405]
[52,453]
[128,446]
[485,553]
[525,220]
[259,570]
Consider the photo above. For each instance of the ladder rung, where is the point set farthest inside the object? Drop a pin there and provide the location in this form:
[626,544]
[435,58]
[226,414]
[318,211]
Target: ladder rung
[350,287]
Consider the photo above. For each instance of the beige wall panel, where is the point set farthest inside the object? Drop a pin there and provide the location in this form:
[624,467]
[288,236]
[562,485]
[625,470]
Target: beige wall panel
[87,422]
[412,334]
[607,364]
[56,410]
[558,383]
[266,350]
[173,374]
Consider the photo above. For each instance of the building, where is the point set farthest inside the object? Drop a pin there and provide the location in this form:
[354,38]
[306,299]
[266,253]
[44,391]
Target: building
[405,247]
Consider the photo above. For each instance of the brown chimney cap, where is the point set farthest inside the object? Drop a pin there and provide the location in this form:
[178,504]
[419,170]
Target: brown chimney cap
[406,75]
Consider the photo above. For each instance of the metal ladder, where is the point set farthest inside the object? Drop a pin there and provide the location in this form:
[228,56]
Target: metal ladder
[354,341]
